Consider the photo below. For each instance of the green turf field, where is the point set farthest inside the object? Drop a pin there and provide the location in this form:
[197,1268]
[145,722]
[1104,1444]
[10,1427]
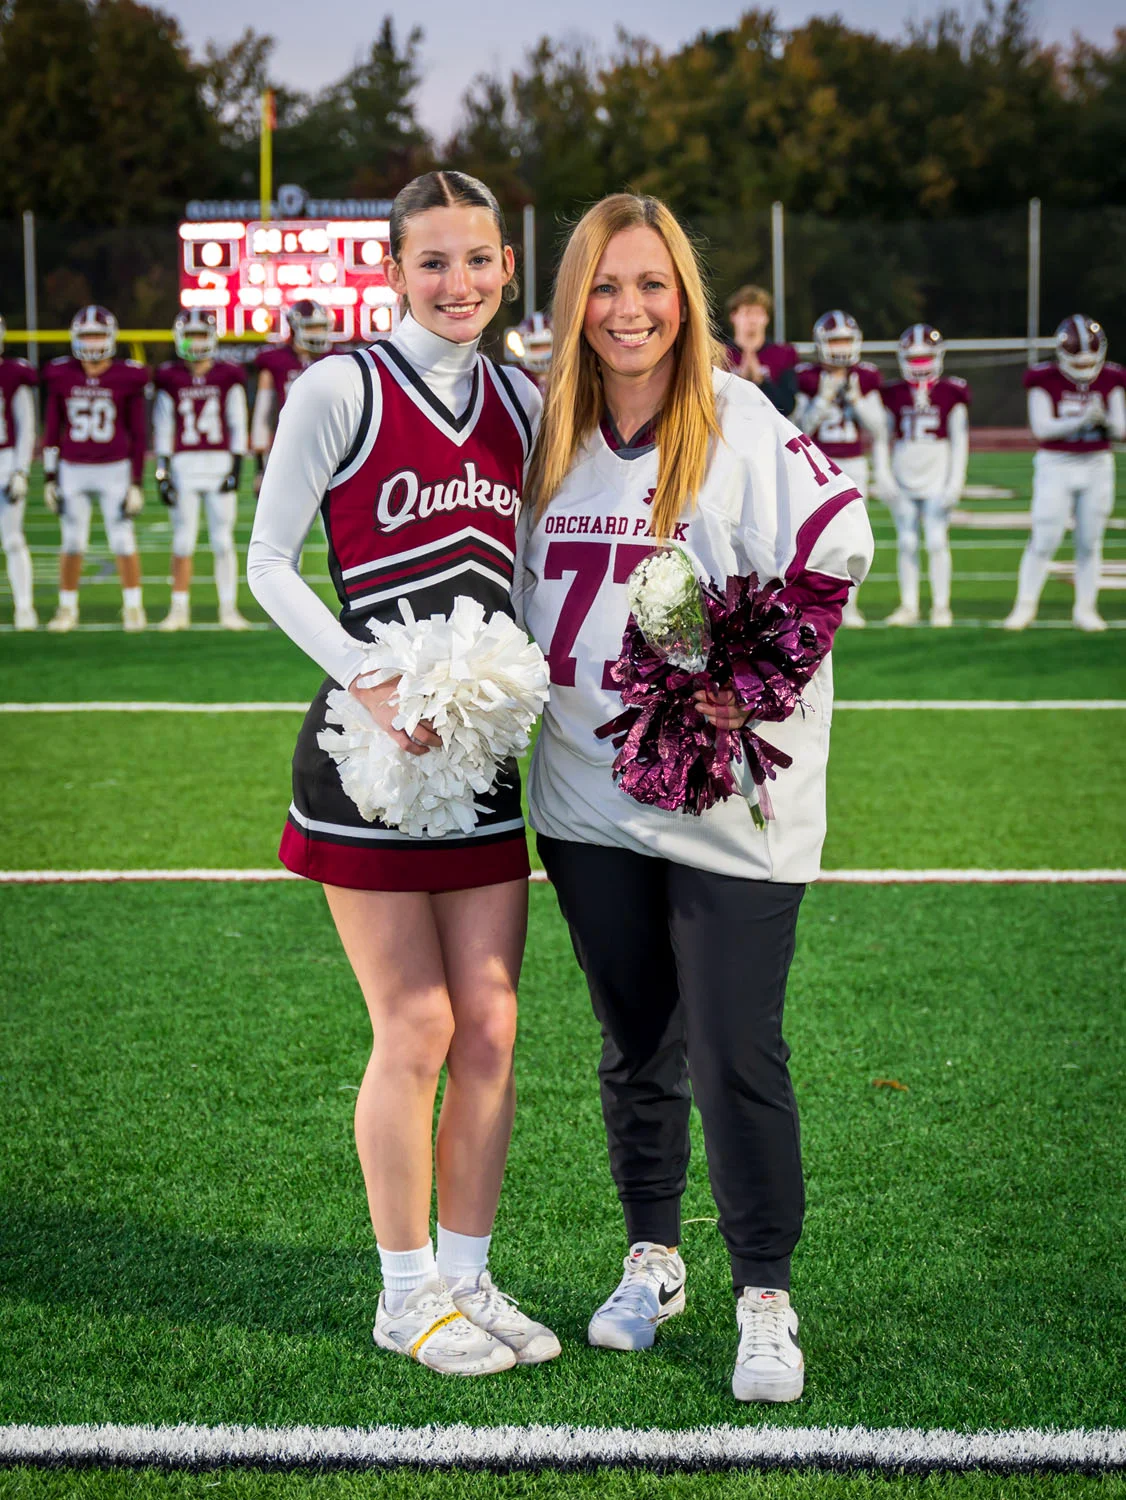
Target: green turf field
[183,1235]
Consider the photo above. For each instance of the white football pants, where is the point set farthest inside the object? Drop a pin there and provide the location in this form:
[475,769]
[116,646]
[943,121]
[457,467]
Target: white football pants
[912,513]
[1068,486]
[197,477]
[80,485]
[12,538]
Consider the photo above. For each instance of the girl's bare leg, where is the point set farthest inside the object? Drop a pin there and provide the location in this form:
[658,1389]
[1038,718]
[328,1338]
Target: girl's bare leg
[481,933]
[391,940]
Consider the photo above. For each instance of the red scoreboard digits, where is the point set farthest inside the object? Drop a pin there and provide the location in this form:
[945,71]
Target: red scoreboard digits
[249,273]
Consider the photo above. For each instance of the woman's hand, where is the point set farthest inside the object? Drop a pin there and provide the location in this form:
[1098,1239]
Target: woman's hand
[722,708]
[382,704]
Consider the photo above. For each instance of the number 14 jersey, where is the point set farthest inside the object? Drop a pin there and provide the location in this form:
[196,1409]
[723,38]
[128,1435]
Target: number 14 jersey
[200,413]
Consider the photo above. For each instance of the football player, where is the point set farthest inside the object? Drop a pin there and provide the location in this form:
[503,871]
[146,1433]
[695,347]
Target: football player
[839,407]
[278,366]
[1076,408]
[928,413]
[200,437]
[529,346]
[17,442]
[772,367]
[94,450]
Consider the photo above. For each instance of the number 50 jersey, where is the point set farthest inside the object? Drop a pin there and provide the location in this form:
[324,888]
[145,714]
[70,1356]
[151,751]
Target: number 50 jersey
[96,419]
[200,413]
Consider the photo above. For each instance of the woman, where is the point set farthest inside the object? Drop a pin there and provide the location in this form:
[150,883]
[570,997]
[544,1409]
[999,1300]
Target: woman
[684,926]
[434,929]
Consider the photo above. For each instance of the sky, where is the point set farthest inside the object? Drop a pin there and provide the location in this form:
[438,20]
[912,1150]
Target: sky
[318,40]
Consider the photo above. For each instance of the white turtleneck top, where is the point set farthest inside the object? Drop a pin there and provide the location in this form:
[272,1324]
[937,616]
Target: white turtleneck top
[316,429]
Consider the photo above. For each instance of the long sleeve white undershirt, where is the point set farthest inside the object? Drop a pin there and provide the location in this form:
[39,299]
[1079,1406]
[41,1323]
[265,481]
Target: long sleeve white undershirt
[1047,427]
[23,417]
[315,430]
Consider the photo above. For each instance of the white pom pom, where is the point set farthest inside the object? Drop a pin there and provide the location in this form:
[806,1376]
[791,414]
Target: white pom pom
[480,684]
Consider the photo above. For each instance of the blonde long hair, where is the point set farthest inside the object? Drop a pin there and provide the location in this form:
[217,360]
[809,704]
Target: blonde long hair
[573,405]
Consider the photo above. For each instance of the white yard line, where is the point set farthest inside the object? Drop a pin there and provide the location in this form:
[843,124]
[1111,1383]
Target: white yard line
[827,877]
[1027,1449]
[899,705]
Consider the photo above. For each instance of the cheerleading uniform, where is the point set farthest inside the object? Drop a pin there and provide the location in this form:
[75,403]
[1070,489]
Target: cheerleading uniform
[684,926]
[413,450]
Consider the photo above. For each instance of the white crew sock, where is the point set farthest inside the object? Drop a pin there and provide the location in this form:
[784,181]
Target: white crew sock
[68,599]
[403,1271]
[131,598]
[181,600]
[462,1257]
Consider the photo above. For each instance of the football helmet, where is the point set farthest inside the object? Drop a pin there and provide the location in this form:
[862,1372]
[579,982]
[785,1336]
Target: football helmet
[312,326]
[838,340]
[920,354]
[529,343]
[93,334]
[1080,348]
[195,334]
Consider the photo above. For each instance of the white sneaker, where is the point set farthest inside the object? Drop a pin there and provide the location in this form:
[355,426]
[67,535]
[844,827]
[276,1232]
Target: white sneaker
[769,1365]
[851,616]
[902,615]
[26,619]
[1087,617]
[431,1330]
[489,1308]
[942,618]
[63,619]
[230,619]
[134,618]
[1020,618]
[177,618]
[651,1291]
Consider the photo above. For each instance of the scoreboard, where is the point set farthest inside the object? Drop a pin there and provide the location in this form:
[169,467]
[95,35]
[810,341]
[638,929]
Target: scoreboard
[248,273]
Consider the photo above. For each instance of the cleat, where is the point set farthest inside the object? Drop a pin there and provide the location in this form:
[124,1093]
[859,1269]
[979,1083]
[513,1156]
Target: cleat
[851,616]
[499,1314]
[1087,617]
[1021,617]
[230,619]
[26,619]
[176,619]
[903,616]
[134,619]
[769,1364]
[941,619]
[431,1330]
[650,1292]
[63,619]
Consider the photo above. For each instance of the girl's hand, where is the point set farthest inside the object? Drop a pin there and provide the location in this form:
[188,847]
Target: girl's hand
[722,708]
[382,704]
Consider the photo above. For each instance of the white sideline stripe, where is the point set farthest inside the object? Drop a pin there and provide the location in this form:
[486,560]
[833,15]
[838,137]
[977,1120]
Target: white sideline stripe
[827,877]
[904,705]
[538,1447]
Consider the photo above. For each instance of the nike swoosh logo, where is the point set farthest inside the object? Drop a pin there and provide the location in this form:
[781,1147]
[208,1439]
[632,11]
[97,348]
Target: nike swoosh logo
[793,1338]
[666,1294]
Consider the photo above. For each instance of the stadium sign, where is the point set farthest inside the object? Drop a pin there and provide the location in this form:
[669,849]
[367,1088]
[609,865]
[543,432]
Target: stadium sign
[292,203]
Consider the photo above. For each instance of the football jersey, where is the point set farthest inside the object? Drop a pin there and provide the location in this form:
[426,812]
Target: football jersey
[929,444]
[1068,400]
[14,375]
[428,511]
[200,413]
[775,359]
[283,364]
[97,419]
[841,434]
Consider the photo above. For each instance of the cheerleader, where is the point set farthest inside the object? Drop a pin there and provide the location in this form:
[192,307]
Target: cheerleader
[413,451]
[684,926]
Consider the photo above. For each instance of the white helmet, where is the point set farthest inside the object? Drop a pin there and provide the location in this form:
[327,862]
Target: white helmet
[93,334]
[833,329]
[195,334]
[312,326]
[920,354]
[1080,348]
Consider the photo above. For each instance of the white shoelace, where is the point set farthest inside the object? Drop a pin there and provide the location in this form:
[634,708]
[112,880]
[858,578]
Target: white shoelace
[764,1329]
[643,1276]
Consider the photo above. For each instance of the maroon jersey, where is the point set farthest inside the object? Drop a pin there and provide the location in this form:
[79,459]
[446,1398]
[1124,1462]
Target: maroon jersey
[198,406]
[13,374]
[425,507]
[775,359]
[914,420]
[96,419]
[283,364]
[841,434]
[1069,400]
